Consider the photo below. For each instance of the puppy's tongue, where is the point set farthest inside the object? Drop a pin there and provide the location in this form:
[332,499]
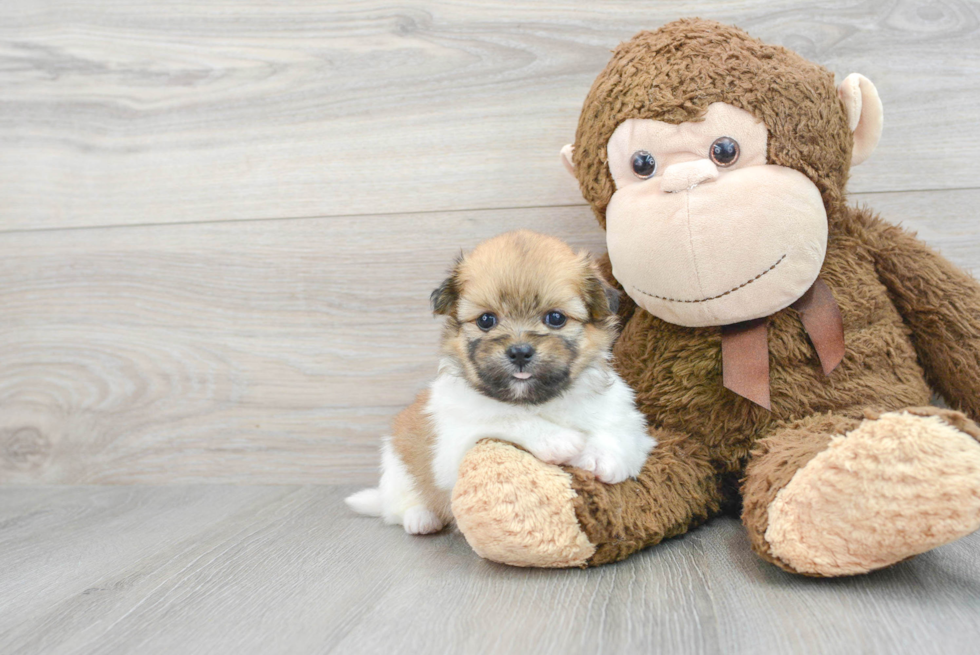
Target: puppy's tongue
[522,375]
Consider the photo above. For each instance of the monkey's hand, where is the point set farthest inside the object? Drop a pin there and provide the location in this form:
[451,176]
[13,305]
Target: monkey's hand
[515,509]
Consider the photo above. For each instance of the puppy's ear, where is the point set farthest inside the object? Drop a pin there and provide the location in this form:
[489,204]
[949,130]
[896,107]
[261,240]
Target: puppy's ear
[601,298]
[444,297]
[612,296]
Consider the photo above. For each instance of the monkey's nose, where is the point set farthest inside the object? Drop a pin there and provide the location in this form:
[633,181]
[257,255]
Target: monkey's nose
[687,175]
[520,354]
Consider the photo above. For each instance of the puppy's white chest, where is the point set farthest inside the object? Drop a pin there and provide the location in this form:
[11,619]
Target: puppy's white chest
[462,416]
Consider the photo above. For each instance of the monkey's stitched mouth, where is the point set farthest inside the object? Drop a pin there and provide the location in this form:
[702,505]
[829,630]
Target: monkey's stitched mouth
[741,286]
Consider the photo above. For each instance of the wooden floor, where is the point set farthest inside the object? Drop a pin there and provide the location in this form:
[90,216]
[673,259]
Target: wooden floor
[220,222]
[283,569]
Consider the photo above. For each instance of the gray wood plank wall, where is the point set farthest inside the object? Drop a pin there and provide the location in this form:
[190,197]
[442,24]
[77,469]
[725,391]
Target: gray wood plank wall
[220,221]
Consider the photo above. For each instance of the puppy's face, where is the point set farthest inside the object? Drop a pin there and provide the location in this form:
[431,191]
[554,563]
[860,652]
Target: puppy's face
[526,316]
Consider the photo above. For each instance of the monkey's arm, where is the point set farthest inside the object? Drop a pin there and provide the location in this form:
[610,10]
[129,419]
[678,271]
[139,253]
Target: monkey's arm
[941,305]
[515,509]
[677,489]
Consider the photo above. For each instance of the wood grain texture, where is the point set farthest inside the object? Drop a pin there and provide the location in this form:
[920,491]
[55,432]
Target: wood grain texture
[146,112]
[265,351]
[225,569]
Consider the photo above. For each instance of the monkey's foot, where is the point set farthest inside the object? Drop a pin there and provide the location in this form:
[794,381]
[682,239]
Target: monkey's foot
[897,485]
[517,510]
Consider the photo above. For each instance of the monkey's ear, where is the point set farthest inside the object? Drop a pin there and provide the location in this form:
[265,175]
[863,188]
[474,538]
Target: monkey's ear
[445,296]
[566,158]
[864,114]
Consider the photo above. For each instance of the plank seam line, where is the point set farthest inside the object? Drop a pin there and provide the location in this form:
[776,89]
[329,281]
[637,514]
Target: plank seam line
[110,226]
[73,228]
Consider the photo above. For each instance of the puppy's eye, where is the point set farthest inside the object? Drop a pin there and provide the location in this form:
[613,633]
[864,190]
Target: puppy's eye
[486,321]
[554,319]
[644,165]
[724,151]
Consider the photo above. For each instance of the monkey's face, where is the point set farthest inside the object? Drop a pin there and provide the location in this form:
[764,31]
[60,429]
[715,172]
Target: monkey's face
[701,230]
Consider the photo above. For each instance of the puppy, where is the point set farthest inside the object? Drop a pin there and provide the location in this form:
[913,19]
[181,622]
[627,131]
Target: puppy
[525,359]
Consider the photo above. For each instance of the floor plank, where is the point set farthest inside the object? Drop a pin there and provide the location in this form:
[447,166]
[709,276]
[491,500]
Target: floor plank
[140,112]
[226,569]
[263,352]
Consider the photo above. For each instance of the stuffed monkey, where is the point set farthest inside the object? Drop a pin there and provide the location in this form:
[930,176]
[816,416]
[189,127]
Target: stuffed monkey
[782,344]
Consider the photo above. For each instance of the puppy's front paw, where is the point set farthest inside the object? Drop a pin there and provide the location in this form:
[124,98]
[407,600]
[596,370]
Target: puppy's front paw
[606,465]
[558,447]
[421,520]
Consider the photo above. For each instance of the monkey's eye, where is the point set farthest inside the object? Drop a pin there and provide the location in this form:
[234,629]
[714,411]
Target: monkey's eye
[486,321]
[554,319]
[644,165]
[724,151]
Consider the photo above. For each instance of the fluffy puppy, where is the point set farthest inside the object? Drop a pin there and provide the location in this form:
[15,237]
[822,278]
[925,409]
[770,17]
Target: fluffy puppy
[525,359]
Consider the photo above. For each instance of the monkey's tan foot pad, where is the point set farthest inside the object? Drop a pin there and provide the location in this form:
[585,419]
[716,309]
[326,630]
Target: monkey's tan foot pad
[897,485]
[517,510]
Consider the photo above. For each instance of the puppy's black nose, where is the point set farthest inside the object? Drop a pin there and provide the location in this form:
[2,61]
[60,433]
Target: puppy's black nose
[520,354]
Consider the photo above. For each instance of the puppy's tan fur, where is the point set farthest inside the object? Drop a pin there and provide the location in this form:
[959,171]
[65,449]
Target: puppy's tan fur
[413,439]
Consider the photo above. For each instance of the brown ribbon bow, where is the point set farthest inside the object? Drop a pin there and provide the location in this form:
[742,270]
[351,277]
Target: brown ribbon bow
[745,346]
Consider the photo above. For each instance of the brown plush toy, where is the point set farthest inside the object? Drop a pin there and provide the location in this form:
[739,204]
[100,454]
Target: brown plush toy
[781,343]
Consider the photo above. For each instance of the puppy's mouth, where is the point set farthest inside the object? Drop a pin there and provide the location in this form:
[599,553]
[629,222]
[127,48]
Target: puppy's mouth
[529,387]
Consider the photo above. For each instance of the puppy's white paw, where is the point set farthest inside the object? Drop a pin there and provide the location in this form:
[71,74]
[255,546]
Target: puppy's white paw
[420,520]
[559,447]
[607,466]
[585,460]
[612,470]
